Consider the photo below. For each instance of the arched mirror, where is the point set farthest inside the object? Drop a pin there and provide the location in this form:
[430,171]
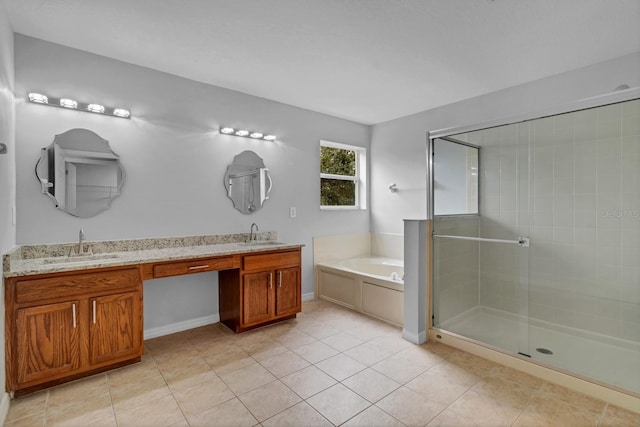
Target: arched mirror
[248,182]
[80,173]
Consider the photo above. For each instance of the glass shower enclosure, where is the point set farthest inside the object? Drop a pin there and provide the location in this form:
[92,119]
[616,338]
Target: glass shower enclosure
[536,237]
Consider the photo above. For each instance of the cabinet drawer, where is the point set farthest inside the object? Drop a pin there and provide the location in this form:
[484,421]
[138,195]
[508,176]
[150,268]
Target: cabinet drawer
[76,284]
[272,261]
[192,266]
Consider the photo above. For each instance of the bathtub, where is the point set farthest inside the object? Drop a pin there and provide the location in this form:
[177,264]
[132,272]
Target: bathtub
[370,285]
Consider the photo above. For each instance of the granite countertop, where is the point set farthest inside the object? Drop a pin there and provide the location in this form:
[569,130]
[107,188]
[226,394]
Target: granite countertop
[52,258]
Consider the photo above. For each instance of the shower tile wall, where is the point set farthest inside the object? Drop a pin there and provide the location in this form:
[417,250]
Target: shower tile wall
[585,217]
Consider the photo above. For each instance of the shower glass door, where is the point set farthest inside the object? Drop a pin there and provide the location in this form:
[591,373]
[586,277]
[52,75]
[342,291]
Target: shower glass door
[547,264]
[481,247]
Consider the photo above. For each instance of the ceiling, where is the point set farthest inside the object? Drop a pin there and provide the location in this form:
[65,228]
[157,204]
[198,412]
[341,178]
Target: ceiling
[364,60]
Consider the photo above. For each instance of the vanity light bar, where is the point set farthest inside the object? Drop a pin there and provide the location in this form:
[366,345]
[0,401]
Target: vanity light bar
[246,134]
[39,98]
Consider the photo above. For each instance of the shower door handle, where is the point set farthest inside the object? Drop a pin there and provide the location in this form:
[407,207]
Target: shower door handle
[522,241]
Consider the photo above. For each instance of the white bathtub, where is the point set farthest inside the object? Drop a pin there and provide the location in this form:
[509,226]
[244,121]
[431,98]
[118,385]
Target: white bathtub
[371,285]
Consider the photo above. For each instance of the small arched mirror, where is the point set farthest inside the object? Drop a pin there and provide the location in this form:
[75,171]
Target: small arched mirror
[248,182]
[80,173]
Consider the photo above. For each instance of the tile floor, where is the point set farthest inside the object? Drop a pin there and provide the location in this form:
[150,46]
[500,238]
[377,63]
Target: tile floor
[330,366]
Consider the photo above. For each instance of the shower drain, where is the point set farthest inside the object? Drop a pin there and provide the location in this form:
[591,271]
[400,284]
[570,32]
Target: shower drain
[544,350]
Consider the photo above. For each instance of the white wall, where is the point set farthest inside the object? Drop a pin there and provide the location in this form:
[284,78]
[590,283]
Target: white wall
[7,169]
[398,147]
[175,161]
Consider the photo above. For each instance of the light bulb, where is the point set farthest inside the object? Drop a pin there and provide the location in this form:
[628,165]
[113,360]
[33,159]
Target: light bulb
[242,132]
[269,137]
[121,112]
[256,135]
[68,103]
[38,97]
[227,131]
[95,108]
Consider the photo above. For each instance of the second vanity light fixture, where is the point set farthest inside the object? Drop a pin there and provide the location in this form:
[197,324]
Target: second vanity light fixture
[39,98]
[246,134]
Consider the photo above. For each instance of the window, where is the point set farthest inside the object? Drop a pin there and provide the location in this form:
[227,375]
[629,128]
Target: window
[342,176]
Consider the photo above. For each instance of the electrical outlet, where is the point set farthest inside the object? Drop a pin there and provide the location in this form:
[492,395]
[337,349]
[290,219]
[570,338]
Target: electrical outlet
[292,212]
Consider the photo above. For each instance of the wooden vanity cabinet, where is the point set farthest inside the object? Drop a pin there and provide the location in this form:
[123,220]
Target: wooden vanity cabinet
[62,326]
[268,289]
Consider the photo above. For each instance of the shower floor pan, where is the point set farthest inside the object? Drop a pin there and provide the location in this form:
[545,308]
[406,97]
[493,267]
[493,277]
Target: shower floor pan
[602,358]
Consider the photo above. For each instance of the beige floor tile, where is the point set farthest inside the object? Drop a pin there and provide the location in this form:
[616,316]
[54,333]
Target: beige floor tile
[338,403]
[203,396]
[308,381]
[137,372]
[28,406]
[472,360]
[133,394]
[615,416]
[371,385]
[373,416]
[434,384]
[298,415]
[438,349]
[569,417]
[460,372]
[448,418]
[340,366]
[406,365]
[410,407]
[109,421]
[517,376]
[367,332]
[284,364]
[78,390]
[265,349]
[474,404]
[174,360]
[269,400]
[234,358]
[342,341]
[315,351]
[319,330]
[579,400]
[84,412]
[36,420]
[278,329]
[392,342]
[294,339]
[231,413]
[507,392]
[188,376]
[162,411]
[248,378]
[368,354]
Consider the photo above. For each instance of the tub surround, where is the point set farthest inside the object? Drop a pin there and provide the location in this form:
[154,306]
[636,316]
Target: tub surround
[39,259]
[379,296]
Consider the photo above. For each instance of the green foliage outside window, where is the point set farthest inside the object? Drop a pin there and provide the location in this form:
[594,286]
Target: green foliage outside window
[338,192]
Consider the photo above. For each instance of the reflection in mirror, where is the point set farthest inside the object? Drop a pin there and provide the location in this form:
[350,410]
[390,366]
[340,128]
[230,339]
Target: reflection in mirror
[455,177]
[80,173]
[248,182]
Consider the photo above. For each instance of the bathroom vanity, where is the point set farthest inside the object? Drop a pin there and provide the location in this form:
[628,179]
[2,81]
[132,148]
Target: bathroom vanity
[72,318]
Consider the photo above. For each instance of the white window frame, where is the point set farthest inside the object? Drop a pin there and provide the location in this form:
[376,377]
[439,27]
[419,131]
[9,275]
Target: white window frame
[360,178]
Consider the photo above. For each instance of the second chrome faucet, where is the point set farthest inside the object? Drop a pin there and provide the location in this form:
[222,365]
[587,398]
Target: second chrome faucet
[253,235]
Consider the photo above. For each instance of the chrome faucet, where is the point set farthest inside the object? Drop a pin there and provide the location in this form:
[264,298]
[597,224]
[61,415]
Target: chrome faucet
[81,249]
[253,236]
[80,242]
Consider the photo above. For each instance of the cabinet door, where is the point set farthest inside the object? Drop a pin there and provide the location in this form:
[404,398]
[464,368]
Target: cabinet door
[115,327]
[257,297]
[47,341]
[288,298]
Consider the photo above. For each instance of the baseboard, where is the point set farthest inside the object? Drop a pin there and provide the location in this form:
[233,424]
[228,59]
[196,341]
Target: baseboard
[4,408]
[180,326]
[308,296]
